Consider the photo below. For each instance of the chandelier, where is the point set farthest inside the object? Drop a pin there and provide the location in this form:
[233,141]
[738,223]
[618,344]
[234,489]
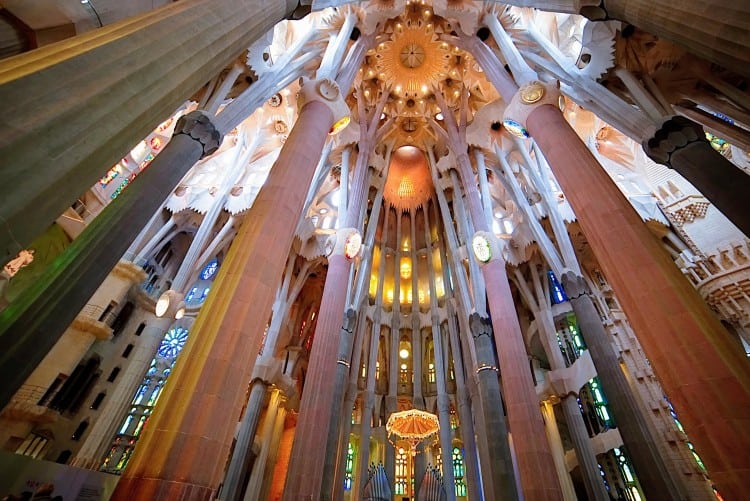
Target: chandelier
[412,426]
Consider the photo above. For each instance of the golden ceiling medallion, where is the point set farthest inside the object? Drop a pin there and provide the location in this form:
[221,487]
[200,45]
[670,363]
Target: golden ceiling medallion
[412,55]
[413,61]
[532,93]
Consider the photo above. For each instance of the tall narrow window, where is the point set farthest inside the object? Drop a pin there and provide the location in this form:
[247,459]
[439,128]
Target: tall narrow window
[98,400]
[557,292]
[458,472]
[402,470]
[80,430]
[349,468]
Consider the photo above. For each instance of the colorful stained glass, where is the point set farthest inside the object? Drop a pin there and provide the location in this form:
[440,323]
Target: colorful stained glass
[210,269]
[515,128]
[110,175]
[556,291]
[458,472]
[173,342]
[119,189]
[349,468]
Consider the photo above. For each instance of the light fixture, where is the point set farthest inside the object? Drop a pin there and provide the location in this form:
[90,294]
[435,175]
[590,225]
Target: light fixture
[439,116]
[481,247]
[162,304]
[340,125]
[404,367]
[403,353]
[180,312]
[169,303]
[353,245]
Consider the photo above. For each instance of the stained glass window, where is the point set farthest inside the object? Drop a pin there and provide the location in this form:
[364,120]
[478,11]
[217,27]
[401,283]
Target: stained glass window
[557,292]
[144,400]
[600,402]
[349,467]
[210,269]
[458,472]
[402,470]
[173,342]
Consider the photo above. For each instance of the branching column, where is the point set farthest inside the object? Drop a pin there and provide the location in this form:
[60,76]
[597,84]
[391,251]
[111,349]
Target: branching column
[535,463]
[693,356]
[182,452]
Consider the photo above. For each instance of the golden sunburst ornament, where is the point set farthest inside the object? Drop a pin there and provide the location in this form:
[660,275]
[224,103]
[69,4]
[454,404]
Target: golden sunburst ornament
[532,92]
[413,60]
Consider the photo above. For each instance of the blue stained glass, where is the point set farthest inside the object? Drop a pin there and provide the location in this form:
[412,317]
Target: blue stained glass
[557,292]
[173,342]
[191,294]
[210,269]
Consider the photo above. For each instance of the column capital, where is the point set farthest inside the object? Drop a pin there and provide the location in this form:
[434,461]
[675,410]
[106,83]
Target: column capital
[327,92]
[674,134]
[527,99]
[486,247]
[574,284]
[479,325]
[197,124]
[345,242]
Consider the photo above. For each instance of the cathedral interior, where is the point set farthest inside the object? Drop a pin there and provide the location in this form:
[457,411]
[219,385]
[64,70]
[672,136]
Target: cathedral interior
[375,250]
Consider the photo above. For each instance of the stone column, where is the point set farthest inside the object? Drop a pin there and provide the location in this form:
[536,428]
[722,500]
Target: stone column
[653,473]
[320,408]
[252,492]
[681,145]
[465,417]
[693,356]
[590,473]
[346,413]
[234,482]
[182,452]
[441,369]
[555,443]
[368,396]
[503,482]
[273,454]
[42,312]
[535,464]
[712,29]
[69,140]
